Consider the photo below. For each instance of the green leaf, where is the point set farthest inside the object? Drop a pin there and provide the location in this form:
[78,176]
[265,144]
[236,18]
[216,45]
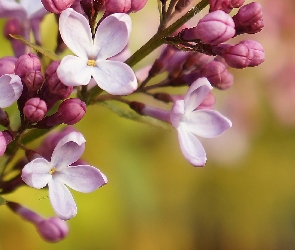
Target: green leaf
[131,115]
[2,201]
[50,54]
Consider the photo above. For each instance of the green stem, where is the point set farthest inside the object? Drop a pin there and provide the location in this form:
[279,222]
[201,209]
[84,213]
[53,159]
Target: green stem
[158,39]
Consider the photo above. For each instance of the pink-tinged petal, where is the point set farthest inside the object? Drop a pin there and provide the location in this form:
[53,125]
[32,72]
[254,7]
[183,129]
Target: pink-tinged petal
[74,71]
[191,148]
[206,123]
[68,150]
[61,200]
[111,36]
[82,178]
[197,92]
[11,88]
[177,112]
[116,78]
[34,8]
[12,9]
[76,33]
[36,173]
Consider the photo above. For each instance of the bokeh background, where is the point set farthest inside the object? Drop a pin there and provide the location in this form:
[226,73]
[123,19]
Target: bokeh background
[244,198]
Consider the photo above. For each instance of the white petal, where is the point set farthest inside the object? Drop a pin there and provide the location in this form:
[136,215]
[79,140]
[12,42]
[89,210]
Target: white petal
[206,123]
[116,78]
[11,88]
[111,36]
[75,32]
[177,112]
[68,150]
[196,93]
[36,173]
[61,200]
[191,148]
[82,178]
[74,71]
[12,9]
[34,8]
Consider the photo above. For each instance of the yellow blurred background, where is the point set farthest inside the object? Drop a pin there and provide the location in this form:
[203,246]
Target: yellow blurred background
[244,198]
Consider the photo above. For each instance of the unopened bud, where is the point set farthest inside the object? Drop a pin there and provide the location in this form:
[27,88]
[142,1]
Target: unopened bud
[27,63]
[35,109]
[249,19]
[137,5]
[5,138]
[52,229]
[117,6]
[217,75]
[71,111]
[33,80]
[57,6]
[247,53]
[218,4]
[7,65]
[215,28]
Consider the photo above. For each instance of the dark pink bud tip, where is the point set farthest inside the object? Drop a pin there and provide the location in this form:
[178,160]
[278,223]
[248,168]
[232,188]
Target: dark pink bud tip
[218,4]
[27,63]
[35,109]
[57,6]
[249,19]
[71,111]
[34,80]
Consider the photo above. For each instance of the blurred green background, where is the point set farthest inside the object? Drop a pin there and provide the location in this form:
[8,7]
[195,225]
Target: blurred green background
[244,198]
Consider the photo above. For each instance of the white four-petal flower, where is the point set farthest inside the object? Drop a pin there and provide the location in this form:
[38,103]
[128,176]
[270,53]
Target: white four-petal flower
[111,38]
[190,122]
[11,89]
[58,173]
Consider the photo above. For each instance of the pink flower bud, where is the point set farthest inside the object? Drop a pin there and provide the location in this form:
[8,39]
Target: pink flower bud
[57,6]
[218,4]
[236,3]
[5,139]
[14,27]
[208,102]
[53,229]
[217,75]
[71,111]
[247,53]
[249,19]
[27,63]
[35,109]
[33,80]
[118,6]
[7,65]
[137,5]
[215,28]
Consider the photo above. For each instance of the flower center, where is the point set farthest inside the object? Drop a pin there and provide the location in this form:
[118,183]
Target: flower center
[91,63]
[52,171]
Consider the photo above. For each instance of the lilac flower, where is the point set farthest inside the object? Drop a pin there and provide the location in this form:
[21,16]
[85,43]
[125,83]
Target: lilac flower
[11,88]
[190,122]
[91,61]
[58,172]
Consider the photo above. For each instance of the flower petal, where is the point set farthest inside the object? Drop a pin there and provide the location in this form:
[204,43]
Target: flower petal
[82,178]
[116,78]
[61,200]
[75,32]
[206,123]
[112,36]
[11,88]
[68,150]
[176,113]
[191,148]
[196,94]
[12,9]
[74,71]
[33,8]
[36,173]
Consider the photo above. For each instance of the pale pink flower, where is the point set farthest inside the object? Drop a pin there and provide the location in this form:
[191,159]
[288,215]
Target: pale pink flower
[91,61]
[58,173]
[11,89]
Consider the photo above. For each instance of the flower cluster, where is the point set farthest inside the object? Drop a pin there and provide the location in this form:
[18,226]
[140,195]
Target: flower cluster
[50,94]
